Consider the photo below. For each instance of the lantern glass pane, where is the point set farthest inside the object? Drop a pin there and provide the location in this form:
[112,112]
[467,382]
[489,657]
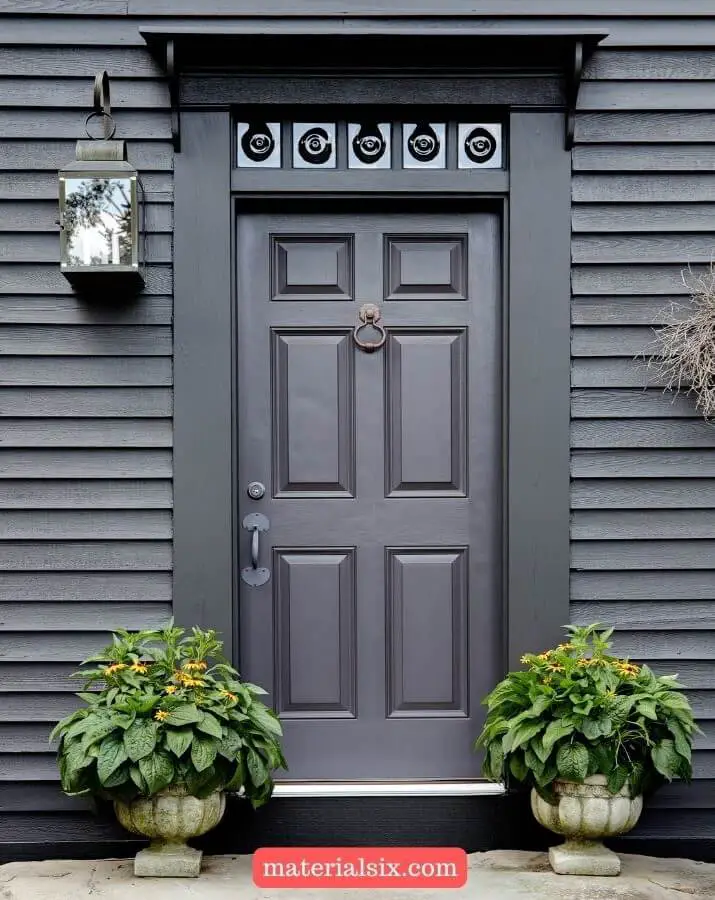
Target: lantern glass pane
[98,221]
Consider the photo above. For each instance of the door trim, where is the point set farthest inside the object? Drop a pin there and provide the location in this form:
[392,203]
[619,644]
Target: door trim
[301,789]
[536,387]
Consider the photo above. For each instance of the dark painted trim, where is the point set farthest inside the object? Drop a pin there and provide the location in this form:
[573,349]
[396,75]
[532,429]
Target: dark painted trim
[412,182]
[538,383]
[203,460]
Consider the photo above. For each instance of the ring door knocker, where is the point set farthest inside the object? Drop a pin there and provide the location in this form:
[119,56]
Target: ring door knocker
[369,316]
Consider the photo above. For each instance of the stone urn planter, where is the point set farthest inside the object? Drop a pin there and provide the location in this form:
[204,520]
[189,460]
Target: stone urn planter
[585,814]
[169,819]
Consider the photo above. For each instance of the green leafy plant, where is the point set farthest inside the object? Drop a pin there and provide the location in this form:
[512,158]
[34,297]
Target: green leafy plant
[167,708]
[577,711]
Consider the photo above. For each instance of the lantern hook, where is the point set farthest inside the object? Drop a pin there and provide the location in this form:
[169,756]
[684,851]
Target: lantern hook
[102,107]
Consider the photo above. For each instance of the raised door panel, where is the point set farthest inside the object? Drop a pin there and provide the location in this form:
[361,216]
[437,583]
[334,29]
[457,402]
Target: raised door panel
[422,267]
[314,614]
[318,267]
[426,410]
[427,632]
[313,390]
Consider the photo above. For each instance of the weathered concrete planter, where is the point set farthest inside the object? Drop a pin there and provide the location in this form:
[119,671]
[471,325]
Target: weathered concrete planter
[169,819]
[585,814]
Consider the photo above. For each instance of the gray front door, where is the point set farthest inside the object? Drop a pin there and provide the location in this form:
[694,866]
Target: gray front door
[379,631]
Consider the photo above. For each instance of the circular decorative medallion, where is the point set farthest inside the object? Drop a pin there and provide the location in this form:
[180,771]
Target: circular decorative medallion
[258,142]
[423,143]
[369,145]
[480,145]
[315,146]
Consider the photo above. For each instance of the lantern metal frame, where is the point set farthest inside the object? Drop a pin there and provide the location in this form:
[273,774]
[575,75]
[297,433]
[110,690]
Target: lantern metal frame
[104,159]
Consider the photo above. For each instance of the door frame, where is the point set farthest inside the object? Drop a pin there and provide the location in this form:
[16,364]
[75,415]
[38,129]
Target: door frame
[535,198]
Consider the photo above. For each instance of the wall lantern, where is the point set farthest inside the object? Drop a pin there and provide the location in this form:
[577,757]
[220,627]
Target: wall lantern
[101,210]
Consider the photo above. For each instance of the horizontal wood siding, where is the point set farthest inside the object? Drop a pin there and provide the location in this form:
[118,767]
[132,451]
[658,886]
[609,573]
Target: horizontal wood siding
[643,462]
[85,402]
[85,391]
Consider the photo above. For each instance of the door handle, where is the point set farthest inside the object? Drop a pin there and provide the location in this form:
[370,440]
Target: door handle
[255,575]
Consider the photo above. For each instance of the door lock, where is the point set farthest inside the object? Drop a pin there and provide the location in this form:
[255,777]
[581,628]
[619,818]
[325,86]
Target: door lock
[255,575]
[256,490]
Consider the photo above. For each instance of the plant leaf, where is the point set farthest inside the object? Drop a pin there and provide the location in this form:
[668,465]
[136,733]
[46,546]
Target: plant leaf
[210,725]
[616,779]
[554,732]
[186,714]
[572,761]
[238,778]
[257,769]
[230,744]
[178,740]
[265,719]
[112,754]
[203,752]
[666,759]
[140,739]
[157,770]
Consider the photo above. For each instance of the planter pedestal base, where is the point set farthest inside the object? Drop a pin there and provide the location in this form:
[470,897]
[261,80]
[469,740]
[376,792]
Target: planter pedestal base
[584,858]
[161,860]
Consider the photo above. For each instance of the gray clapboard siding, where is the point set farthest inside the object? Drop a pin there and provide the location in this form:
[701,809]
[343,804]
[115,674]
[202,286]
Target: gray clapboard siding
[617,372]
[660,64]
[51,617]
[651,433]
[71,555]
[30,215]
[87,495]
[647,615]
[108,340]
[632,279]
[63,524]
[66,7]
[612,554]
[645,128]
[55,62]
[43,185]
[97,432]
[613,341]
[18,278]
[24,738]
[80,587]
[24,155]
[654,645]
[652,187]
[71,310]
[640,404]
[69,646]
[129,463]
[74,93]
[671,585]
[38,767]
[643,464]
[643,158]
[647,524]
[665,493]
[95,401]
[68,124]
[641,310]
[99,371]
[45,248]
[37,677]
[697,248]
[645,95]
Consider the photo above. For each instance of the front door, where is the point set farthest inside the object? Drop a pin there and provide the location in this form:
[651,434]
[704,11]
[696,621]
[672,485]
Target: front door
[379,630]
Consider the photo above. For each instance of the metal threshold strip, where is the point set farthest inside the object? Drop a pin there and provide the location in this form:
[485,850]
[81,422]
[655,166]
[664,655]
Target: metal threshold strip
[465,788]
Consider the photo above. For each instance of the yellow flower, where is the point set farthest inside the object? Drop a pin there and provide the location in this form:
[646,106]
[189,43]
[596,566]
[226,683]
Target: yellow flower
[565,647]
[115,667]
[161,714]
[628,669]
[555,668]
[524,659]
[195,665]
[189,681]
[170,689]
[139,668]
[228,695]
[543,656]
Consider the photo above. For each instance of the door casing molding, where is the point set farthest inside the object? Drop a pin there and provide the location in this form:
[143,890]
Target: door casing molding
[535,198]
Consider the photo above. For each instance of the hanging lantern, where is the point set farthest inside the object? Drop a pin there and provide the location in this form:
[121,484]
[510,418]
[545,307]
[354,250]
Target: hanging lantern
[101,211]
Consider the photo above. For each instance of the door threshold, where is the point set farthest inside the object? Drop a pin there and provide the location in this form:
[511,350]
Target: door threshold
[464,788]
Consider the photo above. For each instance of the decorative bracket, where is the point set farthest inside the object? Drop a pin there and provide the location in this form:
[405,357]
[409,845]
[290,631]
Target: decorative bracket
[574,76]
[172,73]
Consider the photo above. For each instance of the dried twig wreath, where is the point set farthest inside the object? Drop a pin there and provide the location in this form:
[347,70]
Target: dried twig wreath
[685,357]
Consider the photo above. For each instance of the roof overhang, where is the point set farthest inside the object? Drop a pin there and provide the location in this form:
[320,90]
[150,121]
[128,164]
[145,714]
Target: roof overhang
[359,46]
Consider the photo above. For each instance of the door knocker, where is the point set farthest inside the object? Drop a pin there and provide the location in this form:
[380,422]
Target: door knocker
[369,316]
